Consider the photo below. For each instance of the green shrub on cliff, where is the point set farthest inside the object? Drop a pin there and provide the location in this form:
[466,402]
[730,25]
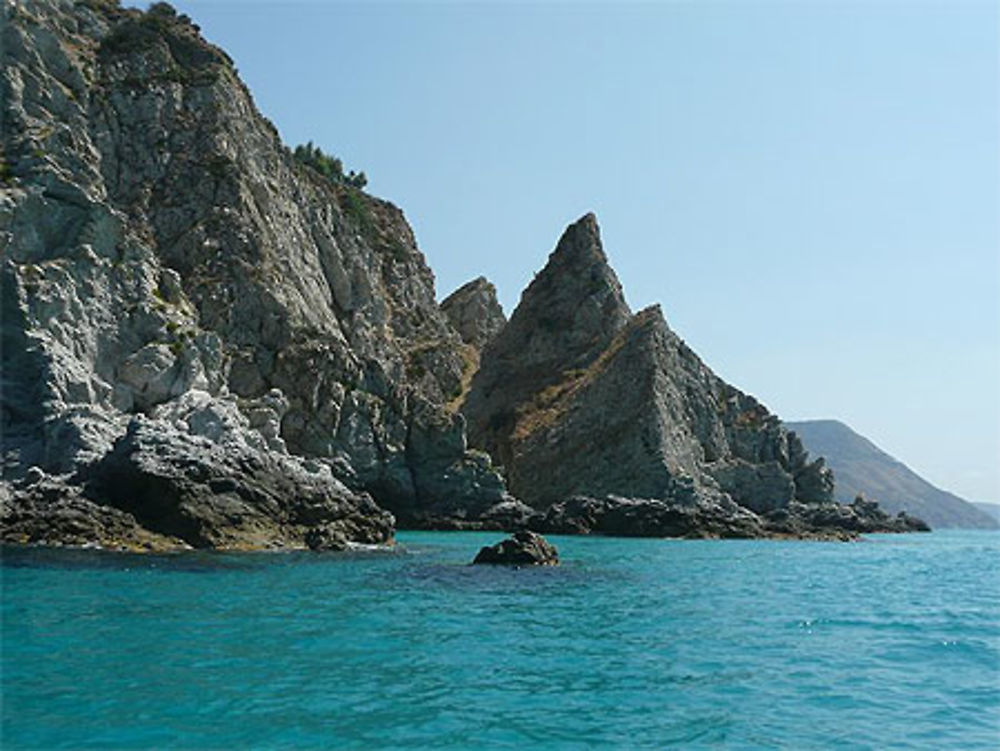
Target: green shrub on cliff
[328,165]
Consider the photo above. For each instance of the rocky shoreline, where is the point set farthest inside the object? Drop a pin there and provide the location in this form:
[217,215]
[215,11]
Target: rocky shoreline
[208,344]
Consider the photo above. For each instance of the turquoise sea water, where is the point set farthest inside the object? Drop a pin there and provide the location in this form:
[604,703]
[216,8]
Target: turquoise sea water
[889,643]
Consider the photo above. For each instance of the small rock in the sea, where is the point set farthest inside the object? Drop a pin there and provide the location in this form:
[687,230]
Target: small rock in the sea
[523,549]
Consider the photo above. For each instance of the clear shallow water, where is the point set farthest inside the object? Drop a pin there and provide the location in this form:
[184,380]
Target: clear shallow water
[889,643]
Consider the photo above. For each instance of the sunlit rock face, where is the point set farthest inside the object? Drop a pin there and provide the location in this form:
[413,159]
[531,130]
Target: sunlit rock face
[158,240]
[475,312]
[577,396]
[208,343]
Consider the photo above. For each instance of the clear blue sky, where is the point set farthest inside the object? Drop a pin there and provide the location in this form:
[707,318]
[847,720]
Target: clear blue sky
[809,189]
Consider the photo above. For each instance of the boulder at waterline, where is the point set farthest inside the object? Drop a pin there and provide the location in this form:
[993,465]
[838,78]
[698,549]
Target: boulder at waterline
[524,548]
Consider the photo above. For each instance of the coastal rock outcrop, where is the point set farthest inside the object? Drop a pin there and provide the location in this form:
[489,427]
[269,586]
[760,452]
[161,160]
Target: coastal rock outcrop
[159,240]
[41,510]
[647,517]
[208,342]
[862,467]
[226,493]
[524,548]
[861,516]
[578,396]
[644,517]
[607,422]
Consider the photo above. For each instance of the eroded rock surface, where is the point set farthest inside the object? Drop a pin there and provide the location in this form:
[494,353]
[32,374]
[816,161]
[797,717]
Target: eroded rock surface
[861,516]
[580,400]
[577,395]
[207,343]
[645,517]
[159,240]
[475,312]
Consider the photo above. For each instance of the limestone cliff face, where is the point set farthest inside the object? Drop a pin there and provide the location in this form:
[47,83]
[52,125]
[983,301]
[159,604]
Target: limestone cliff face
[158,241]
[577,396]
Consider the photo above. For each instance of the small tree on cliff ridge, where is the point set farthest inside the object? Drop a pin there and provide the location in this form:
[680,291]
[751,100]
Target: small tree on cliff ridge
[328,165]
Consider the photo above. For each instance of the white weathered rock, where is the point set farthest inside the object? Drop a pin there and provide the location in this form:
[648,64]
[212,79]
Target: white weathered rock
[151,374]
[162,249]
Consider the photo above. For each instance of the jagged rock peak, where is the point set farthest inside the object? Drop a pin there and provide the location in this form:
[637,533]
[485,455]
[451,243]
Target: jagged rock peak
[578,397]
[582,237]
[479,284]
[578,285]
[474,312]
[568,316]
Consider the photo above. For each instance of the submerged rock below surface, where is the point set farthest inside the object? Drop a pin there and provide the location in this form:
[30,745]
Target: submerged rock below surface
[523,549]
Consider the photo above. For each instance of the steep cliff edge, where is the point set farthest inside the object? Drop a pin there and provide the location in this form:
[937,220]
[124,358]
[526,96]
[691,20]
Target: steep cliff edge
[169,268]
[208,343]
[579,398]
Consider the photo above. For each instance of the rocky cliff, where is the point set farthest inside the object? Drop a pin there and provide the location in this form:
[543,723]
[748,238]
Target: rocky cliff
[207,342]
[578,396]
[170,270]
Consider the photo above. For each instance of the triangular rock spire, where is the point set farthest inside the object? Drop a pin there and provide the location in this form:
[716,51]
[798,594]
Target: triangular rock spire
[566,318]
[573,307]
[578,397]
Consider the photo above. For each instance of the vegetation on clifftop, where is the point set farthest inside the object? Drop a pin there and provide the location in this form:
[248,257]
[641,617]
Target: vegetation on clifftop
[328,166]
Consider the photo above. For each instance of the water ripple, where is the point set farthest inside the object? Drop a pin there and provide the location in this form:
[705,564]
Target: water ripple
[892,643]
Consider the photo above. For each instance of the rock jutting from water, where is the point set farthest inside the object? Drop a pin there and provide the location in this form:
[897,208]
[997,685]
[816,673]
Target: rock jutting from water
[208,342]
[643,517]
[522,549]
[605,421]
